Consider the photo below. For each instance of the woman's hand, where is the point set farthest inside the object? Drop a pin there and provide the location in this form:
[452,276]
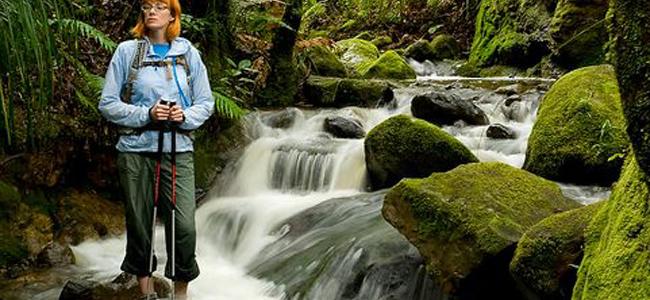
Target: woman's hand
[159,112]
[176,114]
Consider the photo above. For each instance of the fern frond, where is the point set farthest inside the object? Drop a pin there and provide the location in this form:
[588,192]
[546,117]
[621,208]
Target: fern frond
[77,27]
[226,106]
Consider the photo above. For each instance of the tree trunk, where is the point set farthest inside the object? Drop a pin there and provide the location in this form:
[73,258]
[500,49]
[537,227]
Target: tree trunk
[631,31]
[282,83]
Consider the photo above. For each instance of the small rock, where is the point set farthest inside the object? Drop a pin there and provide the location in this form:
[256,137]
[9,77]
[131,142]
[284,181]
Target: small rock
[344,128]
[500,131]
[55,255]
[124,286]
[512,98]
[508,89]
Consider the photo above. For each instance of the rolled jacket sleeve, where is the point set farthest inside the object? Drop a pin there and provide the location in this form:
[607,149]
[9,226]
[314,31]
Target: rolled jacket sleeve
[203,101]
[110,104]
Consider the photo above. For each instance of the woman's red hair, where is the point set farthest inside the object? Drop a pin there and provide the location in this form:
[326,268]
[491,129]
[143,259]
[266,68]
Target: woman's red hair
[174,28]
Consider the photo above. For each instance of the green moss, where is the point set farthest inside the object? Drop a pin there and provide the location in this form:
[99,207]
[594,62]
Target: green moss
[445,47]
[544,253]
[340,92]
[579,127]
[467,215]
[510,32]
[388,66]
[406,147]
[616,263]
[356,54]
[12,249]
[365,35]
[382,41]
[578,32]
[9,199]
[421,50]
[323,62]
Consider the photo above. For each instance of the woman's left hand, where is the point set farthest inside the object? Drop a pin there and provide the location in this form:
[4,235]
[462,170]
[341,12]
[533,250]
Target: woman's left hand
[176,114]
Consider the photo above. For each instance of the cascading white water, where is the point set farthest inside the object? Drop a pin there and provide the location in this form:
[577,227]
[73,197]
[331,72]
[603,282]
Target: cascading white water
[286,171]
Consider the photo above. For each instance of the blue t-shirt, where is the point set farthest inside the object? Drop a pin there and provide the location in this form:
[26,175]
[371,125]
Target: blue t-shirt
[161,49]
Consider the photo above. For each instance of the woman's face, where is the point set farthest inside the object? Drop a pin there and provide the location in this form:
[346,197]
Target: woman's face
[157,15]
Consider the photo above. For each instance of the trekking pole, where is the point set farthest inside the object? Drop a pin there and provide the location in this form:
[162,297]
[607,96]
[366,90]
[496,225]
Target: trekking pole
[173,162]
[156,195]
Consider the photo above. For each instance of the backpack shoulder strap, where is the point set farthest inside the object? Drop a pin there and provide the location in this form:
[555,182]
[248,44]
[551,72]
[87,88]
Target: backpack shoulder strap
[136,63]
[181,60]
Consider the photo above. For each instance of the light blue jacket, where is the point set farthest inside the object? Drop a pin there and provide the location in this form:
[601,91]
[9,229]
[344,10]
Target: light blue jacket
[149,86]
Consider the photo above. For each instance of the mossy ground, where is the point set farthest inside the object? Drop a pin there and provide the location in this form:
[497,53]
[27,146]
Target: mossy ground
[579,134]
[616,263]
[458,218]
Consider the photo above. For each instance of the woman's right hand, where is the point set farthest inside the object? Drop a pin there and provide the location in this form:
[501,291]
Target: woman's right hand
[159,112]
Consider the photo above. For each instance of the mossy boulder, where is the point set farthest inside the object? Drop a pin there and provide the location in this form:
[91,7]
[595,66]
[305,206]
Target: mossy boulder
[616,259]
[323,62]
[444,46]
[341,92]
[78,213]
[578,32]
[579,134]
[546,252]
[389,65]
[466,223]
[510,32]
[403,147]
[420,51]
[356,54]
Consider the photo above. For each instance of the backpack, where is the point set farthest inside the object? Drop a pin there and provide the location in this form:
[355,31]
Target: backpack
[138,62]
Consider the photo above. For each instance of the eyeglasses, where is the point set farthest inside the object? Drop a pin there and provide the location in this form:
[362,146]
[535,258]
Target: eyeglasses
[158,7]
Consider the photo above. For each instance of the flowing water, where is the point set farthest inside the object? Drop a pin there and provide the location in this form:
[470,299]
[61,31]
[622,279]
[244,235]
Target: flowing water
[290,218]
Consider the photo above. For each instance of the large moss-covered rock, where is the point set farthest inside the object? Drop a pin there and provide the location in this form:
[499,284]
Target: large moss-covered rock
[466,223]
[389,65]
[339,92]
[580,129]
[444,46]
[323,62]
[546,252]
[578,32]
[510,32]
[616,261]
[356,54]
[407,147]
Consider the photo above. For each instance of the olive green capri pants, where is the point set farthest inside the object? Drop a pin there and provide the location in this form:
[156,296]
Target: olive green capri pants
[137,177]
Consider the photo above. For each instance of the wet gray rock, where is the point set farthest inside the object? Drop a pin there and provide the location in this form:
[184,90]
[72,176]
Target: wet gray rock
[124,286]
[345,128]
[446,109]
[500,131]
[55,255]
[281,119]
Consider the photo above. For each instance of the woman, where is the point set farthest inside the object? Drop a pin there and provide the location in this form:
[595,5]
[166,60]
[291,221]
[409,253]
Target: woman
[140,74]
